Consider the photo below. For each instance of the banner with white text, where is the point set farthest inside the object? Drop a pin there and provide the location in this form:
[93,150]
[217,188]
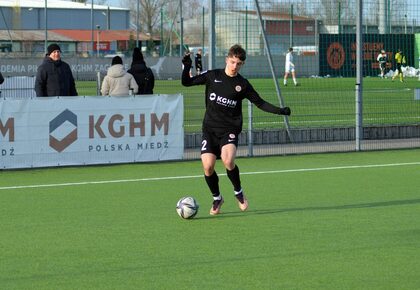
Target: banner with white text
[43,132]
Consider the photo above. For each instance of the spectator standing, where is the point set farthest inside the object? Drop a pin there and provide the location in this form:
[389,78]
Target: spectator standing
[382,59]
[54,76]
[1,81]
[143,75]
[117,81]
[225,89]
[198,61]
[289,67]
[399,61]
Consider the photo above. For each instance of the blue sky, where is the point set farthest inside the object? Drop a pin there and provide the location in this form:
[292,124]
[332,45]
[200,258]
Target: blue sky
[116,3]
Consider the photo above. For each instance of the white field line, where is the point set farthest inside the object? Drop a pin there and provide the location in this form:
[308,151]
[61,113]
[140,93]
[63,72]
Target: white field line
[200,176]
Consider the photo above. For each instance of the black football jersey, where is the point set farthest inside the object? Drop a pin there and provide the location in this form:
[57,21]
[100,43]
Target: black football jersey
[224,95]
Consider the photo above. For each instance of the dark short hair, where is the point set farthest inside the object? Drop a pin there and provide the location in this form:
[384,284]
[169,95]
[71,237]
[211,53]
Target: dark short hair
[237,51]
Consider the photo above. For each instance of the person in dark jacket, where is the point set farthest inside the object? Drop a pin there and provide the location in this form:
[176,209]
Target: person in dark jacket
[198,62]
[1,81]
[54,76]
[142,74]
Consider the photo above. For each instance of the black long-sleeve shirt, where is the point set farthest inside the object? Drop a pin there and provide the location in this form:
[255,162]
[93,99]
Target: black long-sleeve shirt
[224,95]
[198,62]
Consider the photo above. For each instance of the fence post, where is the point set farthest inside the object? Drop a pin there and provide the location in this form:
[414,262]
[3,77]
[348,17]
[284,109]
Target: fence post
[419,68]
[273,73]
[250,137]
[98,83]
[212,34]
[359,76]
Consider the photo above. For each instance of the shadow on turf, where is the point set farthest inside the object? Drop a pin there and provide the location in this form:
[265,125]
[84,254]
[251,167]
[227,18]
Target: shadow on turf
[229,214]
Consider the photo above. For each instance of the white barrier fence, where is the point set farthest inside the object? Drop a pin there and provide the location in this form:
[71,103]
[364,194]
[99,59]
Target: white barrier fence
[43,132]
[20,87]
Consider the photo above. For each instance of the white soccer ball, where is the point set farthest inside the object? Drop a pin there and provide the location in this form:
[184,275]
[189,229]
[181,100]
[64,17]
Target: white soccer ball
[187,207]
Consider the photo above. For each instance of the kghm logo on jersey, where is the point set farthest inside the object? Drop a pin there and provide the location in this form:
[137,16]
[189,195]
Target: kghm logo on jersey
[223,101]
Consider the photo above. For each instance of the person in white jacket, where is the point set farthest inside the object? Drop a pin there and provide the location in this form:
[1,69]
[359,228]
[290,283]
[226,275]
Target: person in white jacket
[117,81]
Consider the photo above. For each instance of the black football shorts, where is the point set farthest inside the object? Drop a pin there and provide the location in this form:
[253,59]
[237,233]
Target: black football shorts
[212,142]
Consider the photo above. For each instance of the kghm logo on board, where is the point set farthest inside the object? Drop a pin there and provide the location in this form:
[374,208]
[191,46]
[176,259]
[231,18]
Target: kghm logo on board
[64,124]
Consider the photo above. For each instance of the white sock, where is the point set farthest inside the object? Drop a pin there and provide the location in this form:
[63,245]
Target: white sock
[238,192]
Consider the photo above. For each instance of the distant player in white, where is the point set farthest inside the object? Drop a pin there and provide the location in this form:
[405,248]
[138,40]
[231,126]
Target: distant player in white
[289,67]
[382,59]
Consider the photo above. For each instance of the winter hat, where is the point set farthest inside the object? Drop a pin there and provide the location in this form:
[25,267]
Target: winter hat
[52,47]
[116,60]
[137,55]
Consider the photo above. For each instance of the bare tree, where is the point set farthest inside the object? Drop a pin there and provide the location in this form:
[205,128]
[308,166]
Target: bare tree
[149,11]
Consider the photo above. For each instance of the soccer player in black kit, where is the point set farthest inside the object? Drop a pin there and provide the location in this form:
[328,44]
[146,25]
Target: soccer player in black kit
[222,124]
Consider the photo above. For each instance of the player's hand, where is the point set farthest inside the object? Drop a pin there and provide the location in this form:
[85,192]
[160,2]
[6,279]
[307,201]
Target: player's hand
[285,111]
[186,60]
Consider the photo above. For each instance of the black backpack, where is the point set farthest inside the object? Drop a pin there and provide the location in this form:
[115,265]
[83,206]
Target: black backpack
[146,82]
[144,79]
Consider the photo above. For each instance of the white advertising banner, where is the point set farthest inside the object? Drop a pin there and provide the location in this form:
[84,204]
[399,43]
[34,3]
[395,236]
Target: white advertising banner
[43,132]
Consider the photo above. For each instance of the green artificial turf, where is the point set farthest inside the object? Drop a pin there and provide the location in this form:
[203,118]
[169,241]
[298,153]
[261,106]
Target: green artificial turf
[321,221]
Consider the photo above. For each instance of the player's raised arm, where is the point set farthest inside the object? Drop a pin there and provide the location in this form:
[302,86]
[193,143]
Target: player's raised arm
[188,80]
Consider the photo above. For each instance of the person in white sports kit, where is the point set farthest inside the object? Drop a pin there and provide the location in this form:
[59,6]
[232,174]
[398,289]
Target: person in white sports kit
[289,68]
